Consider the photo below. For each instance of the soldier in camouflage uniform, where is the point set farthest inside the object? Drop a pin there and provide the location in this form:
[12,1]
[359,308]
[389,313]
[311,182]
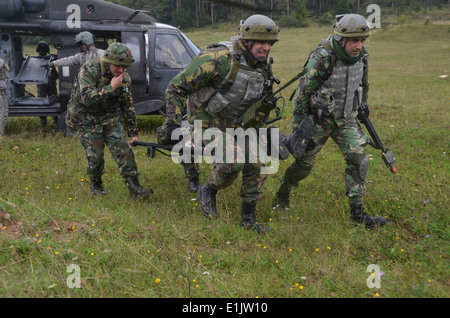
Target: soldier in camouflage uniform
[196,91]
[336,70]
[101,96]
[49,89]
[86,42]
[164,136]
[4,75]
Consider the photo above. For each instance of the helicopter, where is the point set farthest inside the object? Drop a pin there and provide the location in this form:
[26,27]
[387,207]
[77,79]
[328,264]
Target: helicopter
[60,21]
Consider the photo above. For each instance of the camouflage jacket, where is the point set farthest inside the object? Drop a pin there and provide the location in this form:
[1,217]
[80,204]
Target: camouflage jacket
[207,69]
[79,58]
[319,67]
[93,101]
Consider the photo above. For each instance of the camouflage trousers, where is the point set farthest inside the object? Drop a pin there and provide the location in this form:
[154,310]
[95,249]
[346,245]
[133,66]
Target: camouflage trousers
[350,140]
[224,174]
[3,111]
[94,138]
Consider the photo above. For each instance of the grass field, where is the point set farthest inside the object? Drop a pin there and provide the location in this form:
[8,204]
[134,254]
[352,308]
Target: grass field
[52,228]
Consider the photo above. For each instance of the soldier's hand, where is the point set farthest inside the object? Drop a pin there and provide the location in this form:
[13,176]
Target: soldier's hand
[135,138]
[116,81]
[47,66]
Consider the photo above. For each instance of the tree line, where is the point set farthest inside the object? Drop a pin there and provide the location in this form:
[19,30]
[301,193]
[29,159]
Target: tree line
[199,13]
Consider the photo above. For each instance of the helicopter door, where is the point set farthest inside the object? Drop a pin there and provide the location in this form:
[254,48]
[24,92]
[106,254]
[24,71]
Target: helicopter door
[136,42]
[168,55]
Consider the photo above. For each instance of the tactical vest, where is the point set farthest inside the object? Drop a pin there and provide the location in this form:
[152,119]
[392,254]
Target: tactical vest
[340,87]
[240,89]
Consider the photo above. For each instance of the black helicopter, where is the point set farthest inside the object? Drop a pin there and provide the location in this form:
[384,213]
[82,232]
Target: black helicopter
[60,21]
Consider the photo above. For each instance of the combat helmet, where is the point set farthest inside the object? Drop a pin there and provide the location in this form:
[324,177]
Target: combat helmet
[85,37]
[42,48]
[118,54]
[259,28]
[351,26]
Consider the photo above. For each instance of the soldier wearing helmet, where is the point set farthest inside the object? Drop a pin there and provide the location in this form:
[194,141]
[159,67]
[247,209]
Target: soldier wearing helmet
[330,92]
[101,97]
[86,42]
[50,88]
[216,88]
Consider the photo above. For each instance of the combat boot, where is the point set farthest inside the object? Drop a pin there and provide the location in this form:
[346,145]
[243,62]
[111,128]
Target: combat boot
[248,219]
[207,198]
[136,190]
[297,141]
[97,186]
[360,216]
[194,184]
[281,200]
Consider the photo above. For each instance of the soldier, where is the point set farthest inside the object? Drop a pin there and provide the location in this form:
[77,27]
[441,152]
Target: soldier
[164,136]
[86,42]
[49,89]
[328,93]
[217,87]
[101,96]
[4,75]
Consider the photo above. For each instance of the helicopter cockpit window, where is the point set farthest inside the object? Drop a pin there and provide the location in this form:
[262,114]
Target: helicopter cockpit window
[170,52]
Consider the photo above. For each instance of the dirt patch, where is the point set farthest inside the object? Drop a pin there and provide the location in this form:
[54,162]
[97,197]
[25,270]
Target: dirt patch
[64,230]
[10,229]
[14,229]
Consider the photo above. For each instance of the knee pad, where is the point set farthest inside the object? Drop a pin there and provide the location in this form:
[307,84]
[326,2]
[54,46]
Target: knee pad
[360,167]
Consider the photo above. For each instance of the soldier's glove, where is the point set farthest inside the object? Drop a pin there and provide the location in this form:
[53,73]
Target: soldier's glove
[165,134]
[49,65]
[363,111]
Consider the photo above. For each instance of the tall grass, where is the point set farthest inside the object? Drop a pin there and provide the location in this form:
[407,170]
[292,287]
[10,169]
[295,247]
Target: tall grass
[166,248]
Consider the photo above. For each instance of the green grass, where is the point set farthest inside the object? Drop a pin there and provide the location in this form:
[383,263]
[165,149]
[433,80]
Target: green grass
[314,250]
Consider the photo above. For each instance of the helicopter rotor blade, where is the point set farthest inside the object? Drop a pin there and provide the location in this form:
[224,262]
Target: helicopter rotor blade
[238,5]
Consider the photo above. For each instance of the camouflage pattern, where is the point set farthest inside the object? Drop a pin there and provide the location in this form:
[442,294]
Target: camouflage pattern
[205,70]
[79,58]
[259,27]
[4,75]
[118,54]
[224,174]
[95,112]
[350,140]
[344,131]
[208,69]
[352,25]
[318,67]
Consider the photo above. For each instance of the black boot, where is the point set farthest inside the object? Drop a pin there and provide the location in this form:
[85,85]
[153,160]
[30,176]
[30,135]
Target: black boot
[248,219]
[281,200]
[136,190]
[297,141]
[207,198]
[97,186]
[194,184]
[359,215]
